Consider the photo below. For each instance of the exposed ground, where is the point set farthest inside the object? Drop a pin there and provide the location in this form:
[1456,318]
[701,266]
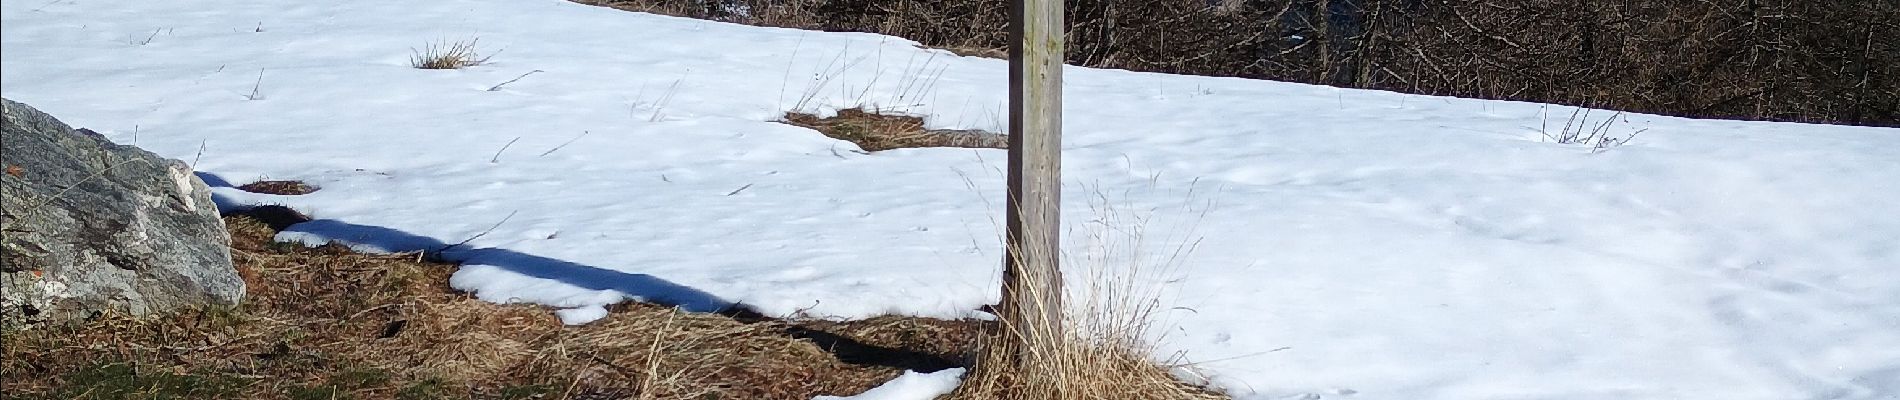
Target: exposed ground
[288,188]
[874,131]
[328,323]
[331,323]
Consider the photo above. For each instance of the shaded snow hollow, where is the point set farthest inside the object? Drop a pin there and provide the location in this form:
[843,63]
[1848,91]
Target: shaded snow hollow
[1388,246]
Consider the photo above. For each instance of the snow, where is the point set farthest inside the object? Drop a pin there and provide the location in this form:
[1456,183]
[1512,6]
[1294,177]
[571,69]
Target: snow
[1352,244]
[910,386]
[582,314]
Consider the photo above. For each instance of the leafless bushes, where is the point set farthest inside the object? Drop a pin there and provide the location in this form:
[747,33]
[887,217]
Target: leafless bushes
[1831,62]
[1774,60]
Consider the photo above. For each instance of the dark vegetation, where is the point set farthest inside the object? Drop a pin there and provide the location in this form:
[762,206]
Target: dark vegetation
[1785,60]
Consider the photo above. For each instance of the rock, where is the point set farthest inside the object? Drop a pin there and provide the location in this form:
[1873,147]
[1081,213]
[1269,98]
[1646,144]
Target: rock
[92,226]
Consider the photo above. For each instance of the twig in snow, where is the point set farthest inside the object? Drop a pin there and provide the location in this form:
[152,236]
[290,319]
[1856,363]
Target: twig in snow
[498,86]
[1250,355]
[563,144]
[788,70]
[660,105]
[201,154]
[497,157]
[740,189]
[50,4]
[255,93]
[511,214]
[1604,144]
[148,39]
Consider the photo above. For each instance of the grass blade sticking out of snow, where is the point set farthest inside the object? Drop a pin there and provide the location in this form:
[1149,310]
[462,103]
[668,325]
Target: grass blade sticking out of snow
[1578,129]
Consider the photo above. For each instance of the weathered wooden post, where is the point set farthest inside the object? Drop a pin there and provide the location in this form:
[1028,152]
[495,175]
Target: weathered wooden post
[1032,280]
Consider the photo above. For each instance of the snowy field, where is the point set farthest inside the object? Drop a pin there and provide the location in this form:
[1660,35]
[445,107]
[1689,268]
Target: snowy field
[1351,244]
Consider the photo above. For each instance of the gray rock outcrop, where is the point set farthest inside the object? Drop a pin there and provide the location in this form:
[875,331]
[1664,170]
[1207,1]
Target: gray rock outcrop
[91,226]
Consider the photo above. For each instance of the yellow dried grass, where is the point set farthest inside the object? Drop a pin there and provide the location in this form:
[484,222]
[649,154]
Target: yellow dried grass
[1105,348]
[316,314]
[446,54]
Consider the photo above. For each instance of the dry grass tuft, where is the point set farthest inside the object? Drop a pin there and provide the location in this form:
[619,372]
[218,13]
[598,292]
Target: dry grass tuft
[1103,354]
[446,54]
[327,322]
[1080,370]
[286,188]
[873,131]
[1110,319]
[1000,53]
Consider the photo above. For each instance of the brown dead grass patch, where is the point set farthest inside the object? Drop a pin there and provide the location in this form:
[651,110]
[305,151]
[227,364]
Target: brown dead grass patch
[327,322]
[287,188]
[1080,370]
[330,323]
[446,54]
[1000,53]
[873,131]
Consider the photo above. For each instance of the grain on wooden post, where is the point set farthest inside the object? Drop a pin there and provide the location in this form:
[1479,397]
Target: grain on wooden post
[1032,280]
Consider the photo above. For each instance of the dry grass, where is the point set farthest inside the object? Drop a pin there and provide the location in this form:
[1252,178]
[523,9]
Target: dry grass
[444,54]
[287,188]
[873,131]
[1103,354]
[330,323]
[1110,320]
[1000,53]
[1579,129]
[1078,370]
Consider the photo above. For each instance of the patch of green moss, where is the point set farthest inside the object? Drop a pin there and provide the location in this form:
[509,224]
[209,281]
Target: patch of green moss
[526,392]
[128,381]
[427,389]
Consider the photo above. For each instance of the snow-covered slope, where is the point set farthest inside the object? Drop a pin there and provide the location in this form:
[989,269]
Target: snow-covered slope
[1355,244]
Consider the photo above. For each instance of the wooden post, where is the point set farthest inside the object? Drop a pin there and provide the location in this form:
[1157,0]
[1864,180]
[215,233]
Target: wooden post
[1032,281]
